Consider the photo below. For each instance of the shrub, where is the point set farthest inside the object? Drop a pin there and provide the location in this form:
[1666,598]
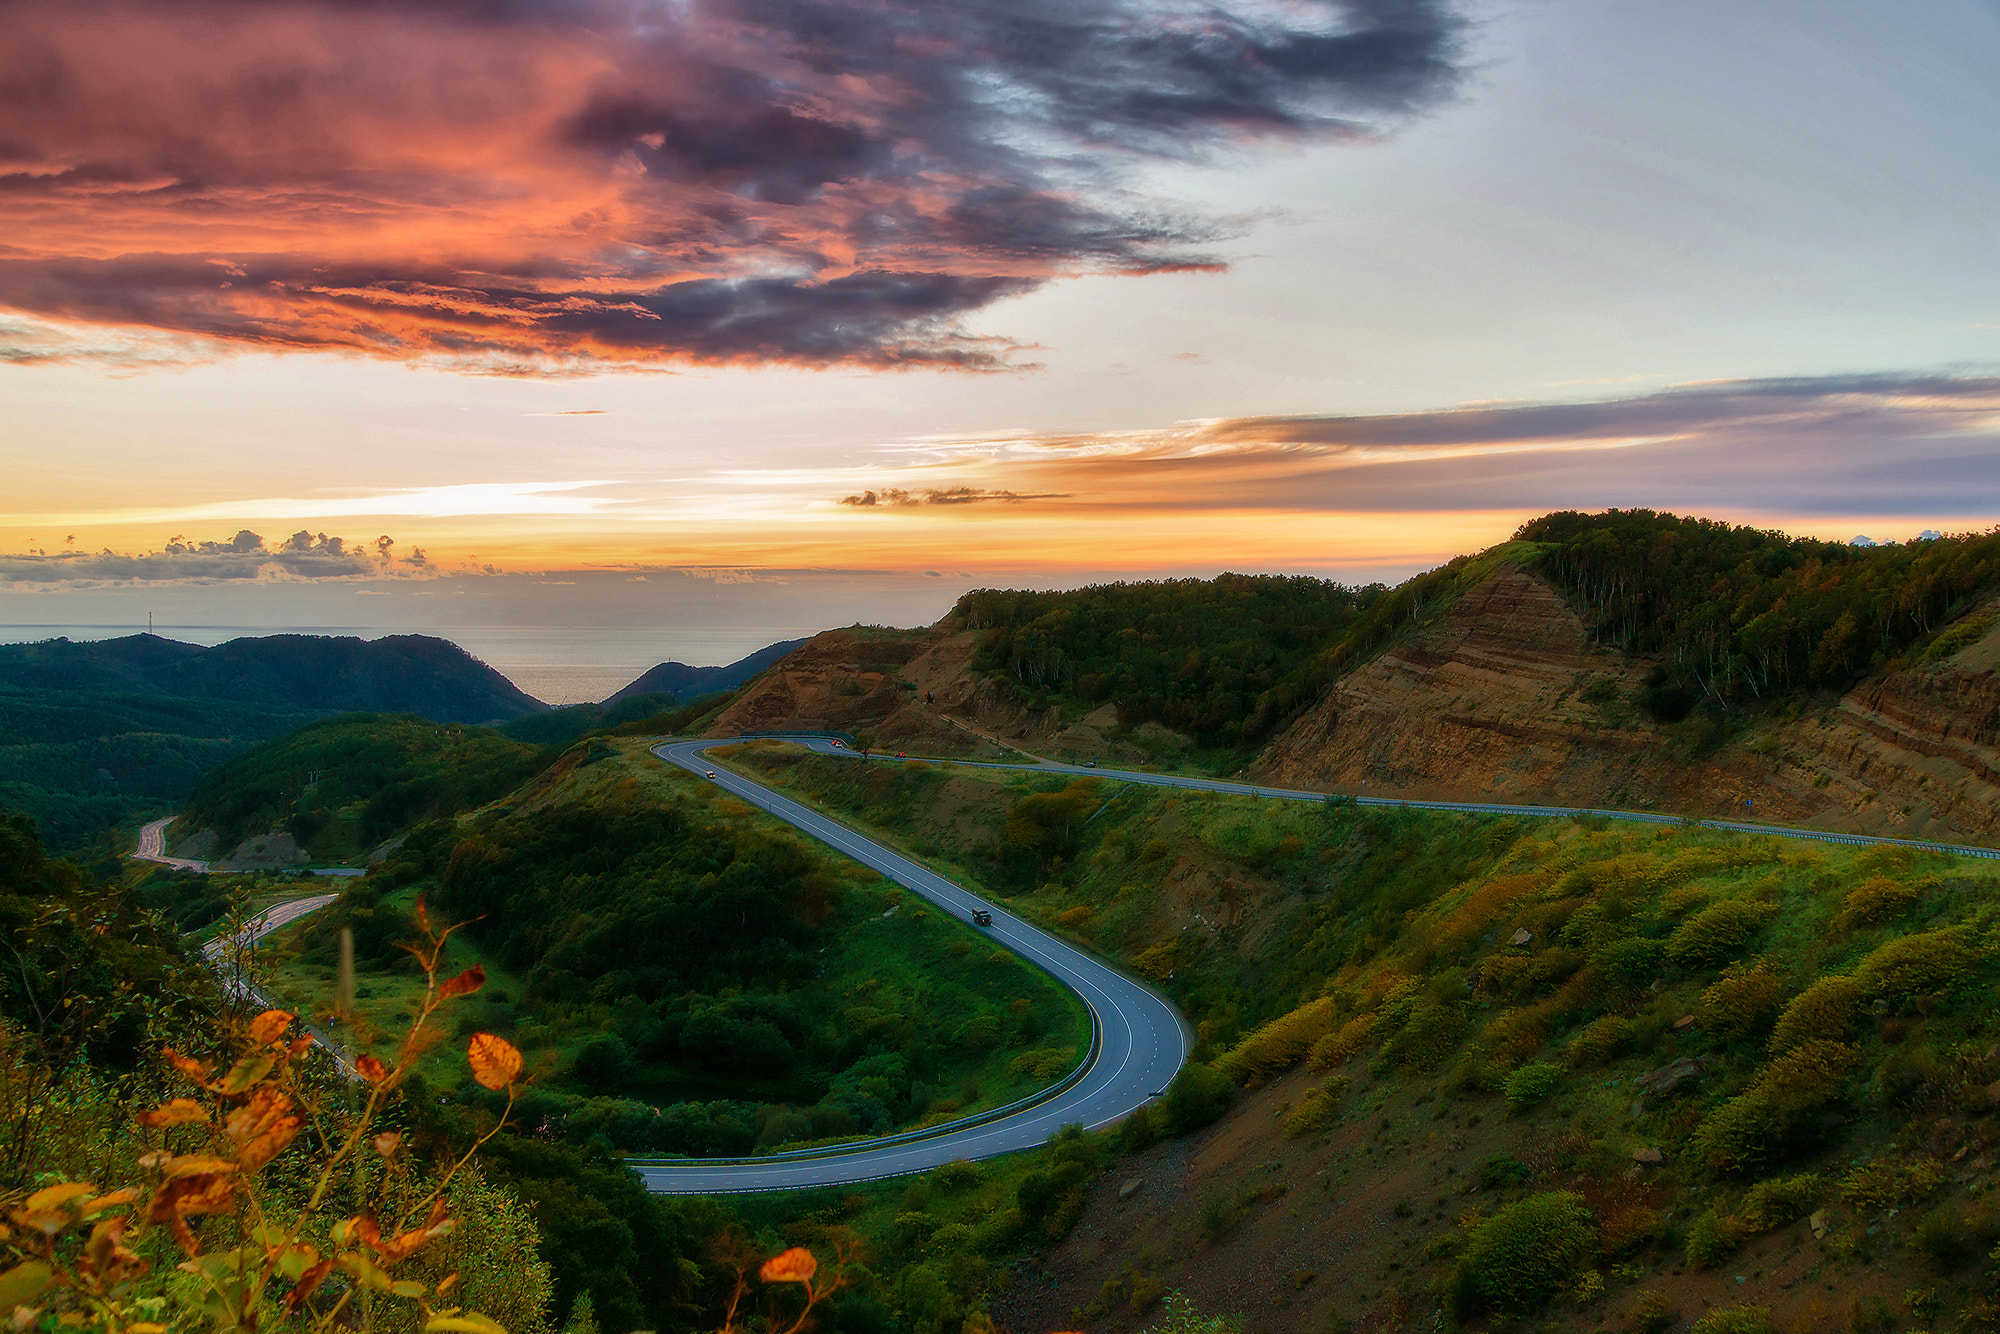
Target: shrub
[1761,1122]
[1711,1238]
[1772,1204]
[1430,1035]
[1600,1042]
[1503,1169]
[1532,1083]
[1717,933]
[1916,965]
[1198,1095]
[1736,1320]
[1280,1044]
[1947,1239]
[1632,963]
[1742,1002]
[1517,1259]
[1881,1185]
[1318,1109]
[1339,1046]
[1875,901]
[1651,1312]
[1826,1009]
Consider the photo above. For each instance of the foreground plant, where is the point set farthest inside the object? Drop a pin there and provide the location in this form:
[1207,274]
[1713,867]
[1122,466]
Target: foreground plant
[258,1251]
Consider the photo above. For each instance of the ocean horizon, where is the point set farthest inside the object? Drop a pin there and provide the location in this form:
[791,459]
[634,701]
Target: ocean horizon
[557,664]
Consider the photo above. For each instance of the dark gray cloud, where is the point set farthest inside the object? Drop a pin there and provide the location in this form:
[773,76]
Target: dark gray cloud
[573,184]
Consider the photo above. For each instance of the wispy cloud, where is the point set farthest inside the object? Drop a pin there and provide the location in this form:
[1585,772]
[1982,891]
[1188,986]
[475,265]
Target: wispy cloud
[494,499]
[560,185]
[1870,444]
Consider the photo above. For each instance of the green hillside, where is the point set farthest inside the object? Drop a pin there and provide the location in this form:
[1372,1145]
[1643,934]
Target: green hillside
[1740,614]
[342,785]
[1785,1027]
[98,735]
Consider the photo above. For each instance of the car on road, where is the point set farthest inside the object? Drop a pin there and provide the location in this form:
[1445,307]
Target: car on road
[982,918]
[711,773]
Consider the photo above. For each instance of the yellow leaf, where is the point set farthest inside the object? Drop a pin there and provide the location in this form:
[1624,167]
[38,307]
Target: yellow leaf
[54,1197]
[405,1287]
[111,1201]
[496,1062]
[470,1323]
[196,1164]
[23,1283]
[244,1074]
[269,1026]
[794,1266]
[179,1112]
[370,1068]
[467,982]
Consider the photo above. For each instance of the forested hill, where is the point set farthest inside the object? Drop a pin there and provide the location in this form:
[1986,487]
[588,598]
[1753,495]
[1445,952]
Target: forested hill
[93,735]
[1741,613]
[433,678]
[1197,655]
[684,682]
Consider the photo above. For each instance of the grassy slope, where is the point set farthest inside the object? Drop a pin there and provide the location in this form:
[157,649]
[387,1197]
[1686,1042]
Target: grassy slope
[1384,936]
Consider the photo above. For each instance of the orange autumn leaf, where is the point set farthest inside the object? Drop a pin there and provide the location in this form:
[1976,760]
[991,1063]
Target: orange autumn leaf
[179,1112]
[307,1284]
[794,1266]
[370,1069]
[269,1026]
[496,1062]
[386,1142]
[187,1065]
[261,1128]
[467,982]
[298,1047]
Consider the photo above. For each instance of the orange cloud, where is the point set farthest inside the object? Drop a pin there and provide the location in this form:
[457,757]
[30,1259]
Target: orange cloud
[555,184]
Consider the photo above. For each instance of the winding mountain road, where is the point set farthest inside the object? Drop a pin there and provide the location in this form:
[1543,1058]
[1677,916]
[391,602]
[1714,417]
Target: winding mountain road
[1143,1040]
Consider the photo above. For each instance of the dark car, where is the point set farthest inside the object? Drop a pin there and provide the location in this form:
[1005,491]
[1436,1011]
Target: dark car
[982,918]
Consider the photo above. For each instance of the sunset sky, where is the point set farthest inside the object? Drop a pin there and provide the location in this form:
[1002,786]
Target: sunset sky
[813,311]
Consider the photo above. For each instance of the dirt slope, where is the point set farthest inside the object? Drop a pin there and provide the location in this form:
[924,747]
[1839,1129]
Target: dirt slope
[873,682]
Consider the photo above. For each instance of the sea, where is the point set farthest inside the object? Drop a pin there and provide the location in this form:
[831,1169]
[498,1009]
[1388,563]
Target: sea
[557,664]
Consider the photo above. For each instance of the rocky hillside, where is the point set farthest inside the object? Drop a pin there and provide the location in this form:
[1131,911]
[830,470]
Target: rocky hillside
[1494,688]
[1503,695]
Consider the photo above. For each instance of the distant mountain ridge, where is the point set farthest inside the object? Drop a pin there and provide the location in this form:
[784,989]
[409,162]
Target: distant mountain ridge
[96,732]
[433,678]
[685,682]
[656,691]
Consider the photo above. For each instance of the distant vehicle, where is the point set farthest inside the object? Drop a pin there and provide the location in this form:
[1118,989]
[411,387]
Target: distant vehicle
[902,755]
[1090,764]
[835,743]
[982,918]
[711,773]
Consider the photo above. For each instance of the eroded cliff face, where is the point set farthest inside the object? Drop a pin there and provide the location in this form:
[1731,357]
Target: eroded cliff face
[1503,696]
[1486,701]
[874,682]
